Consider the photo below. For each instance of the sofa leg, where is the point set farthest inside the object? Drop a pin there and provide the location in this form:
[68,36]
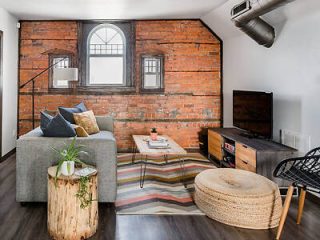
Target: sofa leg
[23,204]
[285,211]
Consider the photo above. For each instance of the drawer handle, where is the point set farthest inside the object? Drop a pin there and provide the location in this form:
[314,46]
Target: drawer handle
[245,162]
[244,146]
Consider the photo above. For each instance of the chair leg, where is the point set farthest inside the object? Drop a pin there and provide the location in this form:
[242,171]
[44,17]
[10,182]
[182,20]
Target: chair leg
[302,197]
[285,211]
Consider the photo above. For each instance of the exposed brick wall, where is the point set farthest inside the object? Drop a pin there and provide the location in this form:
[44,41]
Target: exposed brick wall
[192,80]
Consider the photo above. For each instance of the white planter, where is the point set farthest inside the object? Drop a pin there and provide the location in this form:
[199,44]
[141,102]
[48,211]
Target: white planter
[67,168]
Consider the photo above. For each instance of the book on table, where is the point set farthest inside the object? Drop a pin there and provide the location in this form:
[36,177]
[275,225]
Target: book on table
[159,143]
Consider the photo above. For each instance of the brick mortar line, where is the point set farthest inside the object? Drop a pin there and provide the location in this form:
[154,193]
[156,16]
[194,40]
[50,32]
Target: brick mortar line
[178,71]
[149,120]
[117,93]
[49,39]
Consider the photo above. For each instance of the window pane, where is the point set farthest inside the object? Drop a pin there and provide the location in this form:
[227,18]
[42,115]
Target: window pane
[108,70]
[60,64]
[106,40]
[151,81]
[61,84]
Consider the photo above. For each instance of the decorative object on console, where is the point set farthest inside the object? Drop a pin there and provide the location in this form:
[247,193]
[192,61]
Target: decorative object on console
[153,134]
[238,198]
[88,121]
[55,126]
[67,113]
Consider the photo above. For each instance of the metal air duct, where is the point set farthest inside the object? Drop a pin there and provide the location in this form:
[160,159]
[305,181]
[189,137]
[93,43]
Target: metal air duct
[247,17]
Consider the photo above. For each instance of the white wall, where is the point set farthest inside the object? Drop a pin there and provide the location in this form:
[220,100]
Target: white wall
[290,69]
[8,24]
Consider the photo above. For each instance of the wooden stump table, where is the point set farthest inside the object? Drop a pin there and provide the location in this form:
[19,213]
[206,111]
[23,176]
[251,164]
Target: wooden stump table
[66,219]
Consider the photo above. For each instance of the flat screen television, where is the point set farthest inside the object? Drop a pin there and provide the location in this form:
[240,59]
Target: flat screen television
[253,112]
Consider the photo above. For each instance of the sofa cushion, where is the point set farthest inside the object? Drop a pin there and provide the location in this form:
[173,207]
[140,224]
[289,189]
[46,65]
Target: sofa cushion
[88,121]
[67,113]
[58,127]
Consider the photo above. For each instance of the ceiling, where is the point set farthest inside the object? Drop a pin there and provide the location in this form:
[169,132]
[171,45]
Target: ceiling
[108,9]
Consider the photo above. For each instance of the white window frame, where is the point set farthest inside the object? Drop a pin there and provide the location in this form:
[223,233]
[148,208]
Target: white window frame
[116,28]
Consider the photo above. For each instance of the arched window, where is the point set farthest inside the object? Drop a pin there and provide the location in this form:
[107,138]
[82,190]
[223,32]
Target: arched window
[106,56]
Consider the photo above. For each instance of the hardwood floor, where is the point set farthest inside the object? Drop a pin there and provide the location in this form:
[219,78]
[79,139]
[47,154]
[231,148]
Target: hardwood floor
[29,222]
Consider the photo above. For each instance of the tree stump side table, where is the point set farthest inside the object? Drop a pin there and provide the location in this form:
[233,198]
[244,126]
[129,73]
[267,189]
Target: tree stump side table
[66,219]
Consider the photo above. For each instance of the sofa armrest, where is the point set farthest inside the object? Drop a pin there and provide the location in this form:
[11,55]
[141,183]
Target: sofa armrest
[105,123]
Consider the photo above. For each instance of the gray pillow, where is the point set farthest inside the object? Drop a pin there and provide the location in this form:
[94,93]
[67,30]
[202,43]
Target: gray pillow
[67,113]
[56,127]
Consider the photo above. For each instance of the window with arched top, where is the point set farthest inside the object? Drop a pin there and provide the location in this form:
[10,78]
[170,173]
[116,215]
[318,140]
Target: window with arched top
[106,56]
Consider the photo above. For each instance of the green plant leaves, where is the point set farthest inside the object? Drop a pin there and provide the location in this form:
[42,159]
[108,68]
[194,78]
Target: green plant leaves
[70,152]
[83,194]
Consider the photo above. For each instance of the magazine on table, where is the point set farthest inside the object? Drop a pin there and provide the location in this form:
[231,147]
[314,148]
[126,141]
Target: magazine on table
[161,142]
[85,171]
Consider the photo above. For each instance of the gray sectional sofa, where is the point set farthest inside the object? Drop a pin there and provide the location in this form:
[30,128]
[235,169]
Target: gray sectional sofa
[35,155]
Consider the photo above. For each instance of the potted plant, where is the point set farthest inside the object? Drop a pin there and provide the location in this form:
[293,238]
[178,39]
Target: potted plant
[153,134]
[69,155]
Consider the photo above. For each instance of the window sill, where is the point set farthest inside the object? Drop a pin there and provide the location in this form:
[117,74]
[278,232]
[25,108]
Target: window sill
[60,90]
[105,90]
[152,91]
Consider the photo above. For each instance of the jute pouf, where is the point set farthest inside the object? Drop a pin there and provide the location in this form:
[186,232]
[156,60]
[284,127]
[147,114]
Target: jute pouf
[238,198]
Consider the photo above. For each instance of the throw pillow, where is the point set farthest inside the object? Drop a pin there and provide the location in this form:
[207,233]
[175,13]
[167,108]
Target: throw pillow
[45,118]
[67,113]
[58,127]
[88,121]
[80,131]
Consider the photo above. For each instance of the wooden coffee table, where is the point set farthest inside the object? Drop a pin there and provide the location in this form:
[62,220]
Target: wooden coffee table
[141,146]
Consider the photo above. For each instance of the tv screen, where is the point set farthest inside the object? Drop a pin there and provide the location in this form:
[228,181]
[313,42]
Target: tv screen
[252,111]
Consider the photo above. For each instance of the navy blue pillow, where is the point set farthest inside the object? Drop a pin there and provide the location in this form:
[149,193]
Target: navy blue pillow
[45,118]
[57,127]
[67,113]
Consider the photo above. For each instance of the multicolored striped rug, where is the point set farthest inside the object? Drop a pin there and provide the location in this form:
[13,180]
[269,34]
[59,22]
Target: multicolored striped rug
[163,191]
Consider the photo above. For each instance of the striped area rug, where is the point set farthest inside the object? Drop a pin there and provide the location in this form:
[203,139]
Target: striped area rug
[163,191]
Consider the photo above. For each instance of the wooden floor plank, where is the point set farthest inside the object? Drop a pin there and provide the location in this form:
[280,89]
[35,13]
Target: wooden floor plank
[30,222]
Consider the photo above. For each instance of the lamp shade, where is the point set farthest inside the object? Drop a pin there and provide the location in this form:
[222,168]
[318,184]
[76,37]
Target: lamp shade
[65,74]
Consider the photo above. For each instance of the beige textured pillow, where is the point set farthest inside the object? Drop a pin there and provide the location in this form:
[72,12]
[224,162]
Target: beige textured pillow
[80,131]
[88,121]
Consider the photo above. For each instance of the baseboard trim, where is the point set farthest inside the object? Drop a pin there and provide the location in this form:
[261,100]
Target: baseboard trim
[313,198]
[9,154]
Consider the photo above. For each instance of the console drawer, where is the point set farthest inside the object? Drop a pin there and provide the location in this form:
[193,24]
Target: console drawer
[215,142]
[245,158]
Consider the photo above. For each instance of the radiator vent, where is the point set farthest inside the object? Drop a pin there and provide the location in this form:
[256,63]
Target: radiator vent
[296,140]
[240,8]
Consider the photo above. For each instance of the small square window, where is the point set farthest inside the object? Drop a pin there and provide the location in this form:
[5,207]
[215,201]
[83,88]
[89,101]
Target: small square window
[59,61]
[152,73]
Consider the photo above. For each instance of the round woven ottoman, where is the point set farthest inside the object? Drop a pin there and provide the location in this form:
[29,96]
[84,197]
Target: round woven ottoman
[238,198]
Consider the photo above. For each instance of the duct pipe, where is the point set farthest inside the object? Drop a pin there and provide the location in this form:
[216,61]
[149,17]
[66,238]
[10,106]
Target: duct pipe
[247,17]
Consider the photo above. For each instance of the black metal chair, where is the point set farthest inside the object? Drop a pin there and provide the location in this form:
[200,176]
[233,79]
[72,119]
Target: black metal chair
[304,173]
